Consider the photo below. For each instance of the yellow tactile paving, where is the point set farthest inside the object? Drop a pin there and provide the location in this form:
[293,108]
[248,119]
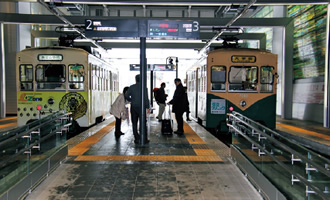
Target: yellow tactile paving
[202,155]
[148,158]
[191,136]
[307,132]
[205,152]
[82,147]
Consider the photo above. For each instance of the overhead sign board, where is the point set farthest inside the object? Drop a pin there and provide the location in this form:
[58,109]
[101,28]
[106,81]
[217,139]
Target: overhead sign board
[164,67]
[111,28]
[159,29]
[154,67]
[173,29]
[136,67]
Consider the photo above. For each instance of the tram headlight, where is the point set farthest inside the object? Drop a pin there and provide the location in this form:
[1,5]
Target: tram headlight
[243,103]
[51,101]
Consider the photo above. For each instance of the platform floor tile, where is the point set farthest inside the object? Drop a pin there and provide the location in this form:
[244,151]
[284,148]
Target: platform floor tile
[194,166]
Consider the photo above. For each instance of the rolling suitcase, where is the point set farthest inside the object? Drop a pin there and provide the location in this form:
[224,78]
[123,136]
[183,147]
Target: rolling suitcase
[167,124]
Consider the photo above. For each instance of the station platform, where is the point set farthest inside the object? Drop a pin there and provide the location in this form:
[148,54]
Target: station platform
[193,166]
[309,134]
[8,123]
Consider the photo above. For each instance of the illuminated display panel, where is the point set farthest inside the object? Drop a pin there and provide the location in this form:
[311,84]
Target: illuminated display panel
[142,28]
[50,57]
[173,29]
[163,29]
[111,28]
[164,67]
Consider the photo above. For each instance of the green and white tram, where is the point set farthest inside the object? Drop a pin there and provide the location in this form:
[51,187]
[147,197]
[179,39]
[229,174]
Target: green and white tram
[50,79]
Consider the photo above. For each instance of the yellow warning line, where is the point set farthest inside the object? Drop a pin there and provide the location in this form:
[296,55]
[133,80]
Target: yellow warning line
[307,132]
[85,145]
[8,125]
[7,118]
[202,155]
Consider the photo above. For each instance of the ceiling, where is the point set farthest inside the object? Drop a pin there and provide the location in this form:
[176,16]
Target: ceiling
[212,14]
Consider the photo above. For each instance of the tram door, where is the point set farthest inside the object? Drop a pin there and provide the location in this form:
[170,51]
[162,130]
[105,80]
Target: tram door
[197,81]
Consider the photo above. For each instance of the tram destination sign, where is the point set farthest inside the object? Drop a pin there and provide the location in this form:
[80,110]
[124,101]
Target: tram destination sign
[158,29]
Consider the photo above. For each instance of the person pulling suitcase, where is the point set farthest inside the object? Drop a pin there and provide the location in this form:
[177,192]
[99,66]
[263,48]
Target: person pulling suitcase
[167,124]
[179,105]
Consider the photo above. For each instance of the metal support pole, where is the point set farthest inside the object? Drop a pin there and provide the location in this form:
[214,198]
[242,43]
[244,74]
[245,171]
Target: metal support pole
[326,120]
[2,74]
[177,66]
[151,89]
[287,77]
[143,82]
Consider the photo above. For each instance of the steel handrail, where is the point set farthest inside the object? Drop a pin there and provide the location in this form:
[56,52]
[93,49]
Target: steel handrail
[32,129]
[301,178]
[2,163]
[285,147]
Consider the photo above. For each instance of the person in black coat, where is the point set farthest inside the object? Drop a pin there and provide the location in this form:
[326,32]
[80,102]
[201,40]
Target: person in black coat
[161,99]
[179,105]
[133,95]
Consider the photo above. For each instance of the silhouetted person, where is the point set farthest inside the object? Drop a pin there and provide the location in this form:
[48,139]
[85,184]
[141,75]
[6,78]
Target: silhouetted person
[179,105]
[161,98]
[133,95]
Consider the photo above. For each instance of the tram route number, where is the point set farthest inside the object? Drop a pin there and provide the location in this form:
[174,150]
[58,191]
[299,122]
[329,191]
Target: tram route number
[218,106]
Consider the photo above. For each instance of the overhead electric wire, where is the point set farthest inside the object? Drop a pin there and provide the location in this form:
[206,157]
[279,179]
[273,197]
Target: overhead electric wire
[233,20]
[60,16]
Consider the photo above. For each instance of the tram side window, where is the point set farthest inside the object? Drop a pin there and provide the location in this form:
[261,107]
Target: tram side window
[94,77]
[115,79]
[243,78]
[266,79]
[218,78]
[76,77]
[50,76]
[26,77]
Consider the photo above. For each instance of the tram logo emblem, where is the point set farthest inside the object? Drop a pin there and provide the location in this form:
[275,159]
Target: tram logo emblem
[75,103]
[24,97]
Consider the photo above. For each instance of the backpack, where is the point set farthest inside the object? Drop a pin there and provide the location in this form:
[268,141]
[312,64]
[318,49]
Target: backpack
[155,94]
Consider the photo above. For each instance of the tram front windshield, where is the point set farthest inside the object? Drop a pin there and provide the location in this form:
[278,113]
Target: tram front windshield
[243,78]
[50,76]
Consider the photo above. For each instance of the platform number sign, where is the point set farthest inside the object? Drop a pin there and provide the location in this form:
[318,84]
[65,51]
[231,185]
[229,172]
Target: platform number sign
[132,28]
[218,106]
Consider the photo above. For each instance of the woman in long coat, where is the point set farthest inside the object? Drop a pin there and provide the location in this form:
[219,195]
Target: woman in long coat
[118,109]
